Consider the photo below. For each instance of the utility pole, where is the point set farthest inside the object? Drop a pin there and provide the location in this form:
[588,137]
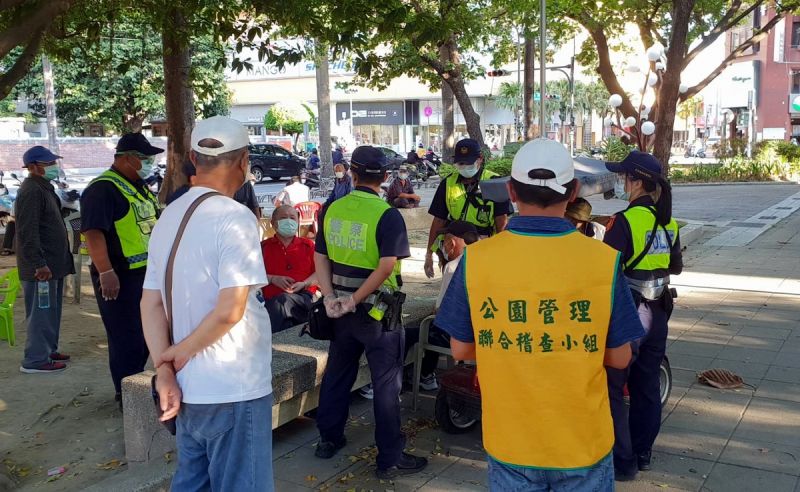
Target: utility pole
[542,66]
[50,104]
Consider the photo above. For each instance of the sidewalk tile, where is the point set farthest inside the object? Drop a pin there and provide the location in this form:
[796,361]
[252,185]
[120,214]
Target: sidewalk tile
[679,472]
[783,374]
[735,478]
[770,421]
[689,362]
[472,470]
[702,410]
[697,349]
[303,463]
[778,391]
[764,332]
[689,443]
[749,342]
[284,486]
[778,316]
[787,359]
[302,430]
[748,355]
[763,456]
[440,484]
[749,371]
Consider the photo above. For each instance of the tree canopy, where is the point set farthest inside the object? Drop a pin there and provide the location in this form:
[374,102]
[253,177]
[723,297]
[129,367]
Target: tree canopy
[289,117]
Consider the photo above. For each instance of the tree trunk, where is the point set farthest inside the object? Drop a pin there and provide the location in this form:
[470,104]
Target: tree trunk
[324,108]
[530,83]
[50,104]
[448,113]
[668,89]
[178,100]
[133,123]
[471,117]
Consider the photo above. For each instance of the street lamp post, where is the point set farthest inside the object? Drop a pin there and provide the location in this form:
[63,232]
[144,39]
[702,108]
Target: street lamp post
[542,65]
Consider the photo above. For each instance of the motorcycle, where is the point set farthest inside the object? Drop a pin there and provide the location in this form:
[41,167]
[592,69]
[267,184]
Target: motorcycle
[70,199]
[430,168]
[6,203]
[156,179]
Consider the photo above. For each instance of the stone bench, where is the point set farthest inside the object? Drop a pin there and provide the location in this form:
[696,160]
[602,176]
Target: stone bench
[298,364]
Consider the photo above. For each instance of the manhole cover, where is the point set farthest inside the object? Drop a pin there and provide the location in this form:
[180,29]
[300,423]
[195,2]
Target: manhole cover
[744,224]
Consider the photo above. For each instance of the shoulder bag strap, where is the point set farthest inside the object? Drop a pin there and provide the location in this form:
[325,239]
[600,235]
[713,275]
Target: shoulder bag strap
[648,245]
[171,261]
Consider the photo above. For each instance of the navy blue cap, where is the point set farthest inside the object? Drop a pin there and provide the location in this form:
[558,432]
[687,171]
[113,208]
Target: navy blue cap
[638,164]
[467,151]
[136,142]
[367,159]
[38,154]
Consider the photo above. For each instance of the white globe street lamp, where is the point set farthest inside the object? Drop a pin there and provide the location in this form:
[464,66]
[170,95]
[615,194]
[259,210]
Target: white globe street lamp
[648,128]
[615,100]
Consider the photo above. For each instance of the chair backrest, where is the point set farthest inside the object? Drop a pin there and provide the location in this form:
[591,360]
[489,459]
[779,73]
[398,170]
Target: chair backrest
[9,287]
[308,212]
[73,223]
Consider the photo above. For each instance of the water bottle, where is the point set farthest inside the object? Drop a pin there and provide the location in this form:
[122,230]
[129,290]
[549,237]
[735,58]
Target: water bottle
[43,290]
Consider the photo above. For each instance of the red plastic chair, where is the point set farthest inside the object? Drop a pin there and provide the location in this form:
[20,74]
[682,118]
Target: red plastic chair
[308,212]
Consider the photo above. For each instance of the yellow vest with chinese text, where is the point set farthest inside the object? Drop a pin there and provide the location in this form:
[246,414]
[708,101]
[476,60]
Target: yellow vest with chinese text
[134,228]
[541,320]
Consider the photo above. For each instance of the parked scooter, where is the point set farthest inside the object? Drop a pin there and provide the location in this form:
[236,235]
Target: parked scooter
[156,179]
[6,202]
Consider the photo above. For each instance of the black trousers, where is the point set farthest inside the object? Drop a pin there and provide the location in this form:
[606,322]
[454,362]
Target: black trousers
[636,427]
[8,238]
[127,350]
[287,310]
[355,334]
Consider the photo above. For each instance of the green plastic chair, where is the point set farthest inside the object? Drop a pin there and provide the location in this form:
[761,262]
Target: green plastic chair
[9,288]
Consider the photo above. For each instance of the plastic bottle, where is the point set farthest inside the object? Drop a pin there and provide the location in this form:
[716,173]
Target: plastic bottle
[43,291]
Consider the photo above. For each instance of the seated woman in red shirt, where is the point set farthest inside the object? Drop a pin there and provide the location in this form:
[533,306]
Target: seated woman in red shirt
[289,261]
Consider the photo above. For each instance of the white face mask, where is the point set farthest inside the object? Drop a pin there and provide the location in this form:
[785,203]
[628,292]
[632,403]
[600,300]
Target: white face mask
[340,175]
[619,188]
[468,170]
[403,175]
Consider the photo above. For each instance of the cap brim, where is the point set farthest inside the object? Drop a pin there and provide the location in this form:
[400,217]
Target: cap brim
[153,151]
[615,167]
[465,160]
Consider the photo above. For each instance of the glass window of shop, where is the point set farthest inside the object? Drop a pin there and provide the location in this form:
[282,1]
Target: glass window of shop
[383,135]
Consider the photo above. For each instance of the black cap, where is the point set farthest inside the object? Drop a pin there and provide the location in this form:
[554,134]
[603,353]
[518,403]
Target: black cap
[467,151]
[459,228]
[38,154]
[368,160]
[641,165]
[136,142]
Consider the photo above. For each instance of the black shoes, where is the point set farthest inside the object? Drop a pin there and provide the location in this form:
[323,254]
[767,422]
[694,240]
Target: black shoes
[621,476]
[408,464]
[644,461]
[327,449]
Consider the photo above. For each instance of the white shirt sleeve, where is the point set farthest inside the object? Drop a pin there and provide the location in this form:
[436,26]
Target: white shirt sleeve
[240,260]
[447,275]
[154,276]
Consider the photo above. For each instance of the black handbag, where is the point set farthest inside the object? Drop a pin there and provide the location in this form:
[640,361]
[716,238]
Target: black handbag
[171,423]
[319,326]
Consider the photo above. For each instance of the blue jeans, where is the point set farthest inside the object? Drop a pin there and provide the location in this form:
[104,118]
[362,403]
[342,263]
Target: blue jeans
[507,478]
[43,324]
[225,447]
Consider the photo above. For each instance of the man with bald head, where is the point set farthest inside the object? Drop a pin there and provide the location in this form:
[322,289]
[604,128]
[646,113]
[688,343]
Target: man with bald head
[289,260]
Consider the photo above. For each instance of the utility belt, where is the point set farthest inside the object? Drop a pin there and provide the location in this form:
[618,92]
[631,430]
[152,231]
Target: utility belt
[383,306]
[649,290]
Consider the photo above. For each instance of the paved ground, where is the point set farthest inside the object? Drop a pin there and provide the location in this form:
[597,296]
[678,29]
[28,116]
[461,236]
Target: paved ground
[712,440]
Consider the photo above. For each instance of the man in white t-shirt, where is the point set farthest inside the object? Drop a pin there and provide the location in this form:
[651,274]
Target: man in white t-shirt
[293,193]
[216,377]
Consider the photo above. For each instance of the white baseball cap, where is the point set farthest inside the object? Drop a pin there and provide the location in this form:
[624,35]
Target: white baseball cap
[231,133]
[547,154]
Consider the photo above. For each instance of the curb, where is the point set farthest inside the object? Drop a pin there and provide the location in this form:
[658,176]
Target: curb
[155,476]
[690,233]
[737,183]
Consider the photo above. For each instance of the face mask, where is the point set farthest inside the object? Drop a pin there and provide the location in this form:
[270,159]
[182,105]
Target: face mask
[468,171]
[50,173]
[340,175]
[619,189]
[287,227]
[147,167]
[303,181]
[403,175]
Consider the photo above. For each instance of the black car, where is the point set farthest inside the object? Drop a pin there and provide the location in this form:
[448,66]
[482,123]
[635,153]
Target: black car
[394,159]
[274,162]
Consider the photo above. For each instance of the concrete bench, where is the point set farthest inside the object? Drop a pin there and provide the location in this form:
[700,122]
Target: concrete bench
[298,364]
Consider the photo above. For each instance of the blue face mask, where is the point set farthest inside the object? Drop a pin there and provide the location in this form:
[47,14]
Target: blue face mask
[287,227]
[51,173]
[147,167]
[619,189]
[467,171]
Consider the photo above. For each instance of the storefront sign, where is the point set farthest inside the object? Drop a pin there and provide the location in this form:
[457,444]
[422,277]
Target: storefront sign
[372,113]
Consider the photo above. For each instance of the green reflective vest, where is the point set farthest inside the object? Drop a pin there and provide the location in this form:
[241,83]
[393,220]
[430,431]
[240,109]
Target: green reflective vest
[480,213]
[642,220]
[134,228]
[350,225]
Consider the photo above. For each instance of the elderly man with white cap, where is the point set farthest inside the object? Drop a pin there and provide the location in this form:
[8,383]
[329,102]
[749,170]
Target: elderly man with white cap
[542,326]
[208,334]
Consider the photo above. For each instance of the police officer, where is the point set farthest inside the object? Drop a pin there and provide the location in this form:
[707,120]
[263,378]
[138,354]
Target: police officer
[458,197]
[647,237]
[118,212]
[359,244]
